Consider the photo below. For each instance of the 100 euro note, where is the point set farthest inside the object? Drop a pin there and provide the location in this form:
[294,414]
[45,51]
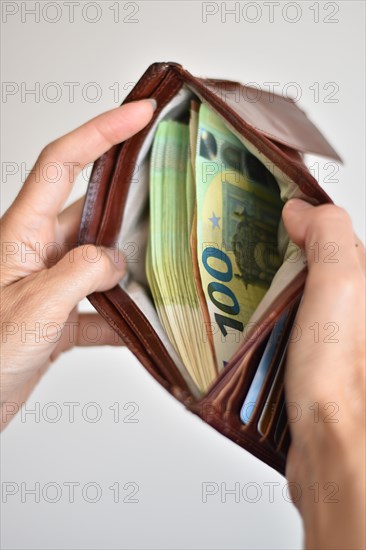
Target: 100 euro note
[169,262]
[238,214]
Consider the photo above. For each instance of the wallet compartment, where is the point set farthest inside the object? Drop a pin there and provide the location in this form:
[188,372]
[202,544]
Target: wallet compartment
[116,214]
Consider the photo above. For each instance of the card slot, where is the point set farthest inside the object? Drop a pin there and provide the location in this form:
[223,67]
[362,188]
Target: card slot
[281,425]
[277,433]
[278,424]
[258,405]
[221,406]
[226,395]
[273,412]
[269,403]
[270,432]
[280,345]
[249,355]
[285,442]
[274,400]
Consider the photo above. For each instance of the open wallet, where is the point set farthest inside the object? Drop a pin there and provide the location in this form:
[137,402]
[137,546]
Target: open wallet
[244,397]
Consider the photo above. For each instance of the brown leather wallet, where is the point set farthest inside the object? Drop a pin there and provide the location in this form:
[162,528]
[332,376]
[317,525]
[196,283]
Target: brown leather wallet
[116,212]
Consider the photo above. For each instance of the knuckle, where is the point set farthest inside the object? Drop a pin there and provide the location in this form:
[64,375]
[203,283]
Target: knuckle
[91,258]
[48,151]
[330,213]
[329,224]
[344,287]
[51,152]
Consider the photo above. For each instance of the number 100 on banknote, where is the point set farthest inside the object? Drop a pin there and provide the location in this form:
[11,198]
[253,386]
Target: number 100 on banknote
[238,212]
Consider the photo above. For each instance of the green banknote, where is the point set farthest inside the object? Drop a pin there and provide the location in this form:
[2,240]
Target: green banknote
[238,213]
[169,259]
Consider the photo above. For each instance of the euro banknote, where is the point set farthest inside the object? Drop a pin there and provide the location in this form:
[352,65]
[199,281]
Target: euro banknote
[238,214]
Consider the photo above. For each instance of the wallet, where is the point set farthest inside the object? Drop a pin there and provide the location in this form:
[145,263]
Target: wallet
[116,213]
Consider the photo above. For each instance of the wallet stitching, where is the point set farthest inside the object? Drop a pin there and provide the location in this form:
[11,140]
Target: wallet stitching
[91,194]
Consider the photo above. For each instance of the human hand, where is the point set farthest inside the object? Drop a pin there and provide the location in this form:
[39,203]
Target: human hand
[325,379]
[39,295]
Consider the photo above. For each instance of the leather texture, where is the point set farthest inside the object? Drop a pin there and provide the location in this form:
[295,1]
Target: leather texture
[280,130]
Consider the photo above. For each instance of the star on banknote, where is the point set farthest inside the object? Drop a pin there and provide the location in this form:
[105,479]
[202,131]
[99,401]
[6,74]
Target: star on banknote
[215,221]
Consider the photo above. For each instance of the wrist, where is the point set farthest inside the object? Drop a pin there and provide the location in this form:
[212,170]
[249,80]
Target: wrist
[328,473]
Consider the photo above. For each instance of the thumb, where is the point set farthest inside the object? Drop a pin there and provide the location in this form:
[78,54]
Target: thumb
[325,232]
[294,213]
[82,271]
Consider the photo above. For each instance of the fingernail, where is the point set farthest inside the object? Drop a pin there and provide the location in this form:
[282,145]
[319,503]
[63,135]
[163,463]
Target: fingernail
[153,102]
[117,257]
[296,205]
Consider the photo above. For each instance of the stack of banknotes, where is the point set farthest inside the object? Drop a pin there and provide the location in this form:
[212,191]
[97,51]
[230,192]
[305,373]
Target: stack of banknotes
[213,249]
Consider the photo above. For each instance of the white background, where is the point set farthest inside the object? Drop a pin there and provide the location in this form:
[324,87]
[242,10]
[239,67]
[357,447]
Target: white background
[169,453]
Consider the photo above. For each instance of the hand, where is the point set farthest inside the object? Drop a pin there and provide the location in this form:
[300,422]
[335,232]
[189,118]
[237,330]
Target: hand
[325,378]
[38,294]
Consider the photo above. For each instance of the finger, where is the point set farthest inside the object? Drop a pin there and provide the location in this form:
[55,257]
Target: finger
[82,271]
[69,221]
[326,234]
[49,184]
[66,239]
[85,329]
[93,330]
[67,233]
[331,309]
[19,396]
[361,252]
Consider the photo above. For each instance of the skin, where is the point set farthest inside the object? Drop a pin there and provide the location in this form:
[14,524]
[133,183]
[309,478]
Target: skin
[328,445]
[37,289]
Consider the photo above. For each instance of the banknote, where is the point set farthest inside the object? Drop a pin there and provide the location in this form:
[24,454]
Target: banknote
[238,214]
[193,135]
[169,260]
[213,245]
